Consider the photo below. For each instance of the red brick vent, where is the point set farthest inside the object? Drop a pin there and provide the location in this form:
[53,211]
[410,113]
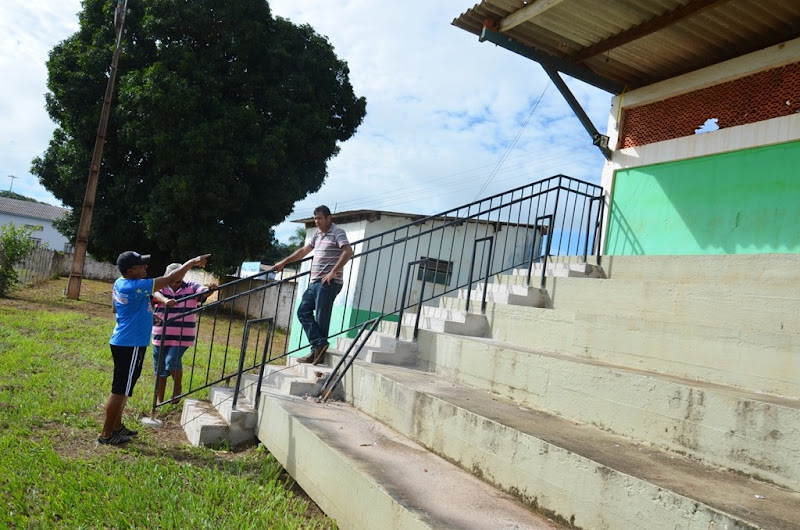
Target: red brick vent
[757,97]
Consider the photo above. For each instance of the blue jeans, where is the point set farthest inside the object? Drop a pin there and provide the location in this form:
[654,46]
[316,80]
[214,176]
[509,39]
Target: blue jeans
[318,299]
[173,357]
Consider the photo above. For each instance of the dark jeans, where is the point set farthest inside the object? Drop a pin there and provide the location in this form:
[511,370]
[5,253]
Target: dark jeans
[318,299]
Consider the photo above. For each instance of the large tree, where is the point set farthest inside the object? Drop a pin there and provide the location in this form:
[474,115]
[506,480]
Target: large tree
[223,118]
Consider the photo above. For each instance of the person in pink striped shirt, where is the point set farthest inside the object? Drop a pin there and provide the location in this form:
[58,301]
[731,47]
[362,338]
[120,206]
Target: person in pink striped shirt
[179,335]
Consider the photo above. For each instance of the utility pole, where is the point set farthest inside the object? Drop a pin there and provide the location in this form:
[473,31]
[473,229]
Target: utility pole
[12,177]
[82,241]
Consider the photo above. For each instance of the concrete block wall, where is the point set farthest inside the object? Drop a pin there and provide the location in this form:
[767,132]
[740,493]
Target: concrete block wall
[731,320]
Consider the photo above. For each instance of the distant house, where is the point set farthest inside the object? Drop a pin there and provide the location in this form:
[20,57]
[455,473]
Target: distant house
[38,217]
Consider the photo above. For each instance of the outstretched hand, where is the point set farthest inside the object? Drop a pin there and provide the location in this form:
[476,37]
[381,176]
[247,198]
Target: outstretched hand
[200,261]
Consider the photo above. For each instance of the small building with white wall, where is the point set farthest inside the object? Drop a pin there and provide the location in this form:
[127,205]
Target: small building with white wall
[39,218]
[437,246]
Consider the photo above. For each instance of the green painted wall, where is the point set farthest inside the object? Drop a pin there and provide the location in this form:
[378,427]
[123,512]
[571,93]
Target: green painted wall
[743,202]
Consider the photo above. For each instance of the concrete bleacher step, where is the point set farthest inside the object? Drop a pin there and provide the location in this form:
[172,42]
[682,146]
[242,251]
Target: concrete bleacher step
[559,270]
[202,423]
[499,293]
[581,474]
[624,336]
[382,348]
[294,379]
[368,476]
[215,421]
[447,320]
[753,433]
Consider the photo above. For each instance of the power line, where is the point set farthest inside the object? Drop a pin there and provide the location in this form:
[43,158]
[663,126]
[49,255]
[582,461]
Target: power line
[512,144]
[410,193]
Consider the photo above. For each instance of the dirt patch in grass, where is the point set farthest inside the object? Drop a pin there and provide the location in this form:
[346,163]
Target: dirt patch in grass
[95,298]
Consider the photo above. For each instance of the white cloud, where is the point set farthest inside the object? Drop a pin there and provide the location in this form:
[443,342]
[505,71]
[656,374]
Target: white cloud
[443,110]
[27,33]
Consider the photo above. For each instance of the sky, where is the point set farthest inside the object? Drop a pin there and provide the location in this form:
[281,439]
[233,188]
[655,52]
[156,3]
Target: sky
[449,119]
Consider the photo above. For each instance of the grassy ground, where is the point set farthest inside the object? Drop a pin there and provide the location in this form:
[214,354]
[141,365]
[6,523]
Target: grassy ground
[55,375]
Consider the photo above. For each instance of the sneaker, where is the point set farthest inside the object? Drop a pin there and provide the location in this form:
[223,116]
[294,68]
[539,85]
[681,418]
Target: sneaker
[319,353]
[114,439]
[124,431]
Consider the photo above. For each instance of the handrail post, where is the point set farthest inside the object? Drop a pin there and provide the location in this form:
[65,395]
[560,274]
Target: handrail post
[547,254]
[162,353]
[551,217]
[588,229]
[469,280]
[403,300]
[375,322]
[267,344]
[486,275]
[599,228]
[490,239]
[238,384]
[421,296]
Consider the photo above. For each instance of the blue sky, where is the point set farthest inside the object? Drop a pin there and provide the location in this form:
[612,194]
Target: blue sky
[449,119]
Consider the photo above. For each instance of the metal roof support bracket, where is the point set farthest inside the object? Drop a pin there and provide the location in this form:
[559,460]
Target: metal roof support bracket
[600,140]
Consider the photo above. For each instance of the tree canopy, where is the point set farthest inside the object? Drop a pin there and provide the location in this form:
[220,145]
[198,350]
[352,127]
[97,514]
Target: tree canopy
[223,117]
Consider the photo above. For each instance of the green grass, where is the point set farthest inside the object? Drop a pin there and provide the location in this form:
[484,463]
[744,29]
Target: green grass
[55,375]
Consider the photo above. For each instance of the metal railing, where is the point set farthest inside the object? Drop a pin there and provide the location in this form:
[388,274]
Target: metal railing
[391,271]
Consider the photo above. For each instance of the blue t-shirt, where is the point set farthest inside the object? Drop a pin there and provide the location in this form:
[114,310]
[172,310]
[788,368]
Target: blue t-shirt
[131,300]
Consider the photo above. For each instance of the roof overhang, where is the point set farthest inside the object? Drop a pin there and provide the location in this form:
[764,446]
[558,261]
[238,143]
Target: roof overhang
[626,44]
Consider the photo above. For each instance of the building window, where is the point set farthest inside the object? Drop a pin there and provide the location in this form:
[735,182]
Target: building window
[68,248]
[34,228]
[438,271]
[37,241]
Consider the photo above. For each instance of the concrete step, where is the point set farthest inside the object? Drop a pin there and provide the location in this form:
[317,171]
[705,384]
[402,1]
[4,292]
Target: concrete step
[754,433]
[294,379]
[756,307]
[733,356]
[384,349]
[446,320]
[241,421]
[505,294]
[202,423]
[367,476]
[215,421]
[555,270]
[733,270]
[581,474]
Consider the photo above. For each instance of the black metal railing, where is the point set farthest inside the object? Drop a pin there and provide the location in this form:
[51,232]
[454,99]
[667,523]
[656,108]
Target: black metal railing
[390,272]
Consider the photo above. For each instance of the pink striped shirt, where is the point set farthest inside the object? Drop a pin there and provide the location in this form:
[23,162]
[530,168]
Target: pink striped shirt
[180,331]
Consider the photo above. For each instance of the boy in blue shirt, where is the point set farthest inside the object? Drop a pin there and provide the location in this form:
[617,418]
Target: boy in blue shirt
[131,299]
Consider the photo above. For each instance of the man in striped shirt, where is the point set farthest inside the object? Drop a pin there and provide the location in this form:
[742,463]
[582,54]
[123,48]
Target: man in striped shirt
[332,251]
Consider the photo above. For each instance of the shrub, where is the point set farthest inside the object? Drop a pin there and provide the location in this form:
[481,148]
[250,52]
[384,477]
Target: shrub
[15,245]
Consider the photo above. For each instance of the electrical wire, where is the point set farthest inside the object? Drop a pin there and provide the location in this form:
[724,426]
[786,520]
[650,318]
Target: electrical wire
[511,145]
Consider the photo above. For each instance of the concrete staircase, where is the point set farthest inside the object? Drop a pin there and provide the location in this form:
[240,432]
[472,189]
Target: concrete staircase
[215,422]
[655,393]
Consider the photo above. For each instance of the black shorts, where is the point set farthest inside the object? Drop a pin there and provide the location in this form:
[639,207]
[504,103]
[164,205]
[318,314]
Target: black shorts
[127,368]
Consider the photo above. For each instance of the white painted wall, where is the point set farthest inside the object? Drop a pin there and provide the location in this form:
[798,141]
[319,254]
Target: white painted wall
[48,235]
[389,266]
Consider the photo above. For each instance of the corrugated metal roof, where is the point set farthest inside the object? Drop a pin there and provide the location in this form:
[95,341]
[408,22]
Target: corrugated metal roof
[34,210]
[614,44]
